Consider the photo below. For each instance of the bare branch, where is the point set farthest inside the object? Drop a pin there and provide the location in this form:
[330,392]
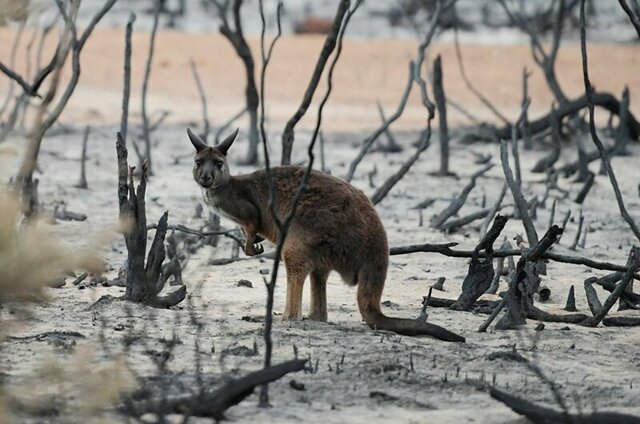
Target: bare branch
[368,142]
[446,250]
[146,136]
[203,101]
[519,199]
[127,77]
[467,82]
[327,49]
[634,18]
[592,126]
[633,263]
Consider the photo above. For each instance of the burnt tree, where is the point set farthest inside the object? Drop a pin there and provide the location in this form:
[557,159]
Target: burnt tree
[236,37]
[144,280]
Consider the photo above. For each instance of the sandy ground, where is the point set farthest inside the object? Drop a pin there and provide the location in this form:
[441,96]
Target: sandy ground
[594,368]
[369,71]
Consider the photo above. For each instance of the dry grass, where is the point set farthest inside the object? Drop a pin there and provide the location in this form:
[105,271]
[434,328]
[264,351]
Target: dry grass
[81,385]
[30,256]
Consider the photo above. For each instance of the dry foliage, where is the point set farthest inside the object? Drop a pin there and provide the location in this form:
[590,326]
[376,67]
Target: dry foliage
[30,256]
[81,386]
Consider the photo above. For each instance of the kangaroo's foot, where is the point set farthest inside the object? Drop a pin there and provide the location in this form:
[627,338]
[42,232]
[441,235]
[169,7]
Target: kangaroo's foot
[318,310]
[252,246]
[253,249]
[318,316]
[289,315]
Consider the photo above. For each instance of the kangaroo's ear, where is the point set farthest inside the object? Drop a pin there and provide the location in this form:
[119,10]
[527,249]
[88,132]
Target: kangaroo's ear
[227,142]
[197,142]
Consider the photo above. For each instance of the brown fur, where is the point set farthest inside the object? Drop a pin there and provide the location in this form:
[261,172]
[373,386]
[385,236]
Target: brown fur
[335,228]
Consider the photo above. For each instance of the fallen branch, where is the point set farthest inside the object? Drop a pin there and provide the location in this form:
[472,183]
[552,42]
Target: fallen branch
[632,264]
[621,321]
[213,404]
[608,282]
[446,250]
[604,100]
[184,229]
[543,414]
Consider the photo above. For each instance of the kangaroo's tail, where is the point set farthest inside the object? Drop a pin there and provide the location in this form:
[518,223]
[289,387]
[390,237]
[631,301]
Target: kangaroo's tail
[413,327]
[369,295]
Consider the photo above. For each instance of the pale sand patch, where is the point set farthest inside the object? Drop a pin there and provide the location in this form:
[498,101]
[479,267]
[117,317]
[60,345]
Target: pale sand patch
[368,71]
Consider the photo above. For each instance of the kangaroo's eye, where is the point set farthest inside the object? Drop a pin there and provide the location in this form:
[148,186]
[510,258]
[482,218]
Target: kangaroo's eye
[219,163]
[198,162]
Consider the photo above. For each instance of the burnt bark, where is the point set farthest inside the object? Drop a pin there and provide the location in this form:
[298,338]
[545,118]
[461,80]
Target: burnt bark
[144,281]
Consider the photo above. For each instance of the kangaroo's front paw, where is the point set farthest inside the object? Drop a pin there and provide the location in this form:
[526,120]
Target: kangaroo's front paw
[254,249]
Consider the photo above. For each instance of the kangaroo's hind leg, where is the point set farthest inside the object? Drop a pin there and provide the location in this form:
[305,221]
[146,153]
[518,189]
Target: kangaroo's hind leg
[298,267]
[318,310]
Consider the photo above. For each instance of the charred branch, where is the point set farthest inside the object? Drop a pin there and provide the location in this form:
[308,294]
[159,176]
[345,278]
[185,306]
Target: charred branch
[441,107]
[521,203]
[126,92]
[457,203]
[83,159]
[235,34]
[518,298]
[604,100]
[214,403]
[446,250]
[327,49]
[543,414]
[592,126]
[570,306]
[480,274]
[392,145]
[633,16]
[146,133]
[203,101]
[46,116]
[143,282]
[368,142]
[386,187]
[633,263]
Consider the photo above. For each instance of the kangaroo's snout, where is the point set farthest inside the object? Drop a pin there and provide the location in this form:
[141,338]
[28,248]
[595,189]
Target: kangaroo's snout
[206,180]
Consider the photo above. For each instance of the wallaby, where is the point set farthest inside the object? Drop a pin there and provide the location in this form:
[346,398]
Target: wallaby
[335,228]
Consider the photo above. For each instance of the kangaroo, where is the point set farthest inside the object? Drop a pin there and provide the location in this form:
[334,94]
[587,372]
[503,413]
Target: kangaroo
[335,228]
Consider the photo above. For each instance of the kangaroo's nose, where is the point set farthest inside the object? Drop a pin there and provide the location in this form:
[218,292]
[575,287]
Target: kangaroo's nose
[206,178]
